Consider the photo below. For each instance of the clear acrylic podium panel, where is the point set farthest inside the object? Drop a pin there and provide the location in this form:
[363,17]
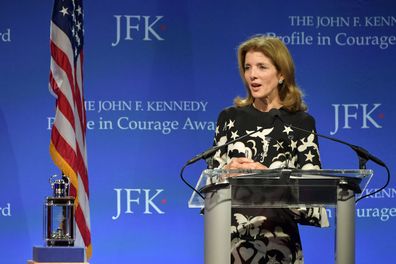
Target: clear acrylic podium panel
[275,188]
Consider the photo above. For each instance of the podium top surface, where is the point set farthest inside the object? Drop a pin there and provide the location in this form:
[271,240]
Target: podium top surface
[295,173]
[285,178]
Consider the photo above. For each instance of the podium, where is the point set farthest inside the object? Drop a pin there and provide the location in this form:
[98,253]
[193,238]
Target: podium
[276,188]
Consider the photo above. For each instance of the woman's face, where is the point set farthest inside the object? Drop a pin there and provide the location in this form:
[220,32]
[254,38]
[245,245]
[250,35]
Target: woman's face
[261,76]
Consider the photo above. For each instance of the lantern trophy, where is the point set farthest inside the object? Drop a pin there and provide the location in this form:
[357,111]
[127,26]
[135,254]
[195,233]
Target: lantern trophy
[59,225]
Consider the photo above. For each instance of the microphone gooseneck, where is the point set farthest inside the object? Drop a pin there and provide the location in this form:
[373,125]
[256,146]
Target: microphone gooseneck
[363,154]
[208,154]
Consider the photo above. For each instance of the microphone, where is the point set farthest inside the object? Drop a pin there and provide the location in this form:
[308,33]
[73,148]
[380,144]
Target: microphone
[363,154]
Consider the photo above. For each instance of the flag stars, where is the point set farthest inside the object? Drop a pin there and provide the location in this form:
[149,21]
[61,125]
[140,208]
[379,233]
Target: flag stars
[78,40]
[78,26]
[309,156]
[64,11]
[287,130]
[79,11]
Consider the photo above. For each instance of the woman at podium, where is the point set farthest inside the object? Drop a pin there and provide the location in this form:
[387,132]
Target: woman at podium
[267,71]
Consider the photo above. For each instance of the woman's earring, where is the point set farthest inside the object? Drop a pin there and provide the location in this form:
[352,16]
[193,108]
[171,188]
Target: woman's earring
[280,81]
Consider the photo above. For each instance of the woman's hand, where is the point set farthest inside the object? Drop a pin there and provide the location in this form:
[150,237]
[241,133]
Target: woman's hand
[244,163]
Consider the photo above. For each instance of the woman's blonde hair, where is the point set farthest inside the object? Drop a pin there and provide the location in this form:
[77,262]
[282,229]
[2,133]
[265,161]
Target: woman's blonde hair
[273,48]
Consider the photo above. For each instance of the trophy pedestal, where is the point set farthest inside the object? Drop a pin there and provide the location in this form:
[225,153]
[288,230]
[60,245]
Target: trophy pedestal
[34,262]
[58,255]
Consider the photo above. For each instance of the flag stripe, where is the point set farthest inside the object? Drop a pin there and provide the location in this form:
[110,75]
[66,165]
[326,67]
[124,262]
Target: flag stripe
[82,173]
[63,132]
[62,101]
[84,201]
[79,95]
[63,63]
[62,41]
[59,76]
[61,148]
[80,219]
[71,158]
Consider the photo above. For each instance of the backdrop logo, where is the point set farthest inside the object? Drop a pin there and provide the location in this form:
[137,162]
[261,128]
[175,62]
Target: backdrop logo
[144,28]
[6,35]
[365,116]
[145,201]
[5,210]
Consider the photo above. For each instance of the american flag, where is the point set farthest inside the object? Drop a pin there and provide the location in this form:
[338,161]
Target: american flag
[67,146]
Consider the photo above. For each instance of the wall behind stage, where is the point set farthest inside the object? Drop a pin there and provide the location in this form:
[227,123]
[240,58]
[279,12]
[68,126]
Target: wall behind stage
[175,68]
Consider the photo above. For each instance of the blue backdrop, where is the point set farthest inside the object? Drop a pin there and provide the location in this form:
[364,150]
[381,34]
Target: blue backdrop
[175,66]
